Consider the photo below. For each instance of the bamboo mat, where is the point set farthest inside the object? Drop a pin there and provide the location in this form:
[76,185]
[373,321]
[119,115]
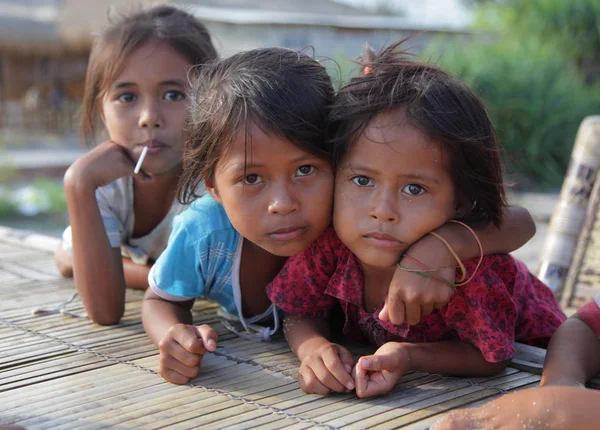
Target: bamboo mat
[63,373]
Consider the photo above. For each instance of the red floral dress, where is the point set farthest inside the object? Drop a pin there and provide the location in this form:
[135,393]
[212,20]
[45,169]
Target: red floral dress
[502,304]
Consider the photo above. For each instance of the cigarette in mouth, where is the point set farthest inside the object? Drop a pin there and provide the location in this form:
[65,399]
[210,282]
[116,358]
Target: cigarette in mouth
[138,166]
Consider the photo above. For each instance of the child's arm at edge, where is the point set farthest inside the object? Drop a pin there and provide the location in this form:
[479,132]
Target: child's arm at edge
[573,355]
[566,408]
[411,297]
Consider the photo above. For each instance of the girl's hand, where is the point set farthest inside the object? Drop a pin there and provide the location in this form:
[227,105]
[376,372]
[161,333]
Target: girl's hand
[412,296]
[182,349]
[102,165]
[377,374]
[327,368]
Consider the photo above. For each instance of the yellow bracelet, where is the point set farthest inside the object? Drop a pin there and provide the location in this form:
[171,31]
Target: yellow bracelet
[480,251]
[463,270]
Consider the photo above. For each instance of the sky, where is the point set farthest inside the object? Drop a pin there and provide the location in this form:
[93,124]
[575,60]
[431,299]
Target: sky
[433,11]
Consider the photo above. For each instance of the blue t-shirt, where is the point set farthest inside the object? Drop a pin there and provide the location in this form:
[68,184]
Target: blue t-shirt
[202,260]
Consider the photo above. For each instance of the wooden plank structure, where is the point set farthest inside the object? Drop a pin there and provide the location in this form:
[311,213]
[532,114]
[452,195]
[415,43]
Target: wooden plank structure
[62,373]
[567,262]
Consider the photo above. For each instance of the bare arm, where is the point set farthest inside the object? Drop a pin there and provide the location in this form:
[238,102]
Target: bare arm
[566,408]
[452,357]
[411,296]
[159,315]
[136,276]
[378,373]
[518,227]
[97,267]
[305,334]
[573,355]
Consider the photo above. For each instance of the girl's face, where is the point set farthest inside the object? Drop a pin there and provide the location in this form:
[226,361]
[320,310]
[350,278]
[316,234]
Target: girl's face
[145,106]
[392,188]
[276,195]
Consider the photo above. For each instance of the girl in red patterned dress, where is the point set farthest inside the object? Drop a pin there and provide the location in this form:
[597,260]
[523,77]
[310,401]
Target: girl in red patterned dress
[413,149]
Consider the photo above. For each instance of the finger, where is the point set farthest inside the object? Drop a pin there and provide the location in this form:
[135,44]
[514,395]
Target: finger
[384,314]
[183,356]
[426,309]
[440,305]
[144,176]
[173,376]
[169,362]
[309,383]
[187,337]
[347,359]
[338,369]
[209,336]
[325,377]
[413,313]
[396,310]
[377,363]
[361,379]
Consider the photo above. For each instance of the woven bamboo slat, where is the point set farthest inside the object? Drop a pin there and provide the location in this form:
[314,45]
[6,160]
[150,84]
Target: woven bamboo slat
[60,372]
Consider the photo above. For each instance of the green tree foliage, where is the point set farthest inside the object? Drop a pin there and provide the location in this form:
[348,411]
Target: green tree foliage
[534,79]
[572,27]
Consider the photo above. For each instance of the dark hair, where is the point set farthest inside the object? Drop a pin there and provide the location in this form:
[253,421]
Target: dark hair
[282,91]
[441,107]
[111,49]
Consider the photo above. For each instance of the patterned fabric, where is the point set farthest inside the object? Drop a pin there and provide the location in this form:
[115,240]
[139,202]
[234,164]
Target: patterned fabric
[503,303]
[202,260]
[590,314]
[115,202]
[200,257]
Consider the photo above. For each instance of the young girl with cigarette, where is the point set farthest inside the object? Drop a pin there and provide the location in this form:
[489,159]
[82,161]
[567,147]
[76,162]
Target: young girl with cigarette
[414,149]
[121,195]
[257,133]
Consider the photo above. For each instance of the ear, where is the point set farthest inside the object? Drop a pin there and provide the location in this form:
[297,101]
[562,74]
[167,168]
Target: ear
[210,186]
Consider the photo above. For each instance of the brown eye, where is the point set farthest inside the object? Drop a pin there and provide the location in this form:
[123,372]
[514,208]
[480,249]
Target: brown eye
[413,189]
[305,170]
[362,181]
[252,179]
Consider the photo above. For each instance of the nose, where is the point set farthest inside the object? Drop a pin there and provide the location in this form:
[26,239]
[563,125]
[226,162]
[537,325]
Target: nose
[283,202]
[384,208]
[150,115]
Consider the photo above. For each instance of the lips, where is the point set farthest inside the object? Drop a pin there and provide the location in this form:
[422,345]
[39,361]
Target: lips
[383,240]
[154,146]
[287,233]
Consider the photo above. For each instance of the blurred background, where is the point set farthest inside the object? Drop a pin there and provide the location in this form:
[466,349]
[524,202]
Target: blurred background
[536,64]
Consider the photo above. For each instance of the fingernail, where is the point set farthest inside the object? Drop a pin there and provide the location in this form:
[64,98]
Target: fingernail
[348,368]
[365,362]
[350,385]
[212,344]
